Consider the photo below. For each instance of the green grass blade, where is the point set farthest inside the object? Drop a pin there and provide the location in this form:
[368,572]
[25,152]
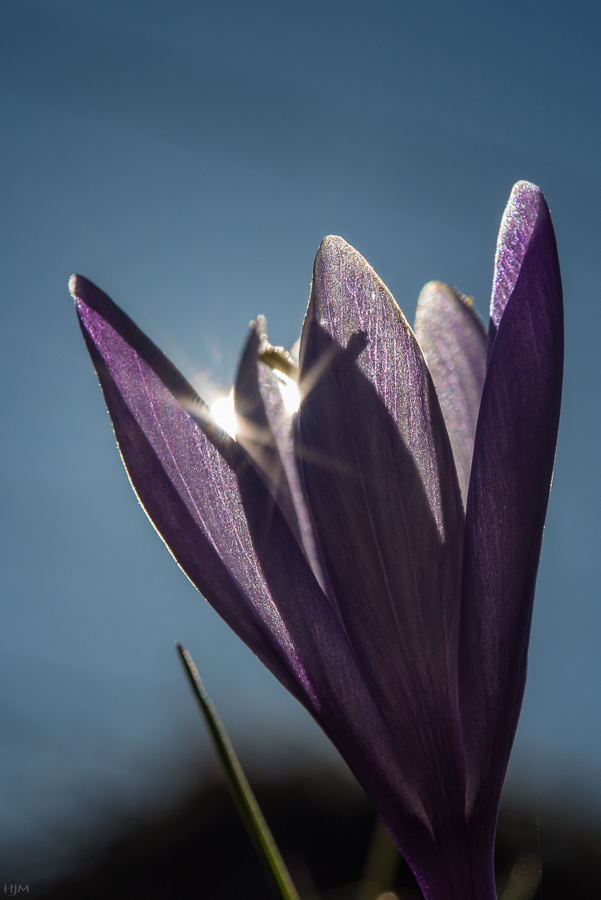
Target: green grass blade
[239,787]
[524,879]
[381,865]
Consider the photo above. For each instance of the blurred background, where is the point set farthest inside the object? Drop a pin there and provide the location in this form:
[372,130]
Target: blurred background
[188,157]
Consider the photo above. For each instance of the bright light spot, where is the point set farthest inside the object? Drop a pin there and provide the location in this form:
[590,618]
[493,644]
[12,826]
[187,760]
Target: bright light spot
[224,414]
[291,397]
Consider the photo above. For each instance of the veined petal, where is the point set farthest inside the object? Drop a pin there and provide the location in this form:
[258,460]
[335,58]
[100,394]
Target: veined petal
[279,394]
[382,489]
[453,341]
[511,474]
[187,474]
[266,402]
[517,226]
[254,432]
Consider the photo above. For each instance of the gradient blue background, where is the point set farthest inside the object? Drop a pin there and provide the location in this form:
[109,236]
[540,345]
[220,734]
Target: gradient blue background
[189,157]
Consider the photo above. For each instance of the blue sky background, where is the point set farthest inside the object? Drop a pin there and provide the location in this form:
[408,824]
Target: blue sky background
[189,157]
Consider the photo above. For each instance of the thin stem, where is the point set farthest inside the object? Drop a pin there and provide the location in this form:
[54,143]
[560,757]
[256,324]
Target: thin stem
[239,788]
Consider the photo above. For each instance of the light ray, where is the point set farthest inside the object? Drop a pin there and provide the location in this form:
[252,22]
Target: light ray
[224,414]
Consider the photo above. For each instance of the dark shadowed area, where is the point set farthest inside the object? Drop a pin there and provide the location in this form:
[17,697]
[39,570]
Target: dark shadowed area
[195,846]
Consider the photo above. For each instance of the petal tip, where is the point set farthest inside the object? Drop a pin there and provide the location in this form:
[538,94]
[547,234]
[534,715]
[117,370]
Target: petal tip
[435,286]
[334,240]
[331,245]
[436,289]
[524,189]
[81,290]
[517,226]
[439,292]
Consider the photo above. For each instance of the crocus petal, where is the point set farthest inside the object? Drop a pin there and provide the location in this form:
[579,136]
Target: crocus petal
[266,402]
[516,229]
[277,393]
[254,432]
[382,489]
[453,341]
[509,488]
[187,476]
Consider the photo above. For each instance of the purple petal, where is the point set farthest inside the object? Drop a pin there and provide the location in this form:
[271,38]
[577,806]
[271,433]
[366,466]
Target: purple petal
[266,432]
[254,431]
[453,341]
[186,475]
[516,229]
[512,466]
[382,489]
[277,394]
[266,400]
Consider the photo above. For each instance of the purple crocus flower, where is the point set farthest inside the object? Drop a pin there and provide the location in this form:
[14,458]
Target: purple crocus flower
[378,548]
